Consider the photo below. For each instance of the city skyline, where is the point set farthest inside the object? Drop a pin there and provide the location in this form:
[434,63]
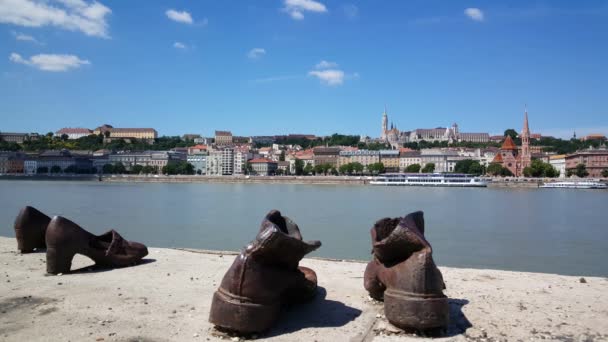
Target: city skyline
[311,67]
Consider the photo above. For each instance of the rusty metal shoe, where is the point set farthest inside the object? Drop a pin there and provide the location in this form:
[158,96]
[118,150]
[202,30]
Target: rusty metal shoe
[263,277]
[404,275]
[64,239]
[30,228]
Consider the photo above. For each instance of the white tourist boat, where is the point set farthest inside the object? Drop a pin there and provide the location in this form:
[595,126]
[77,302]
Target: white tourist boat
[429,179]
[586,184]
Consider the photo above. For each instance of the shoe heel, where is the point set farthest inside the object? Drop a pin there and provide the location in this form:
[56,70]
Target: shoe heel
[234,314]
[58,260]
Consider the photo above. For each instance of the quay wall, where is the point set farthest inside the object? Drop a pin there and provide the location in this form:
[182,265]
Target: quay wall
[529,183]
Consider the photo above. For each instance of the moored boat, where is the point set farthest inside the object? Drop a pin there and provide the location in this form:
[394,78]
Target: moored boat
[587,184]
[429,179]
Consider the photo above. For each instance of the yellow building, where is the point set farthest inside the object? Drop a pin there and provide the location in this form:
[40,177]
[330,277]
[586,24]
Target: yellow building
[125,133]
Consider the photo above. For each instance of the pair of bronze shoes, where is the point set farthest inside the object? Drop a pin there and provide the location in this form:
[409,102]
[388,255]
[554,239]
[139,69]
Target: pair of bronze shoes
[63,239]
[266,275]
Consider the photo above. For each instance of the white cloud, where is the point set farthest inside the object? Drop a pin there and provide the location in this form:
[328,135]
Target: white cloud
[474,13]
[332,77]
[326,65]
[256,53]
[24,37]
[181,17]
[74,15]
[296,8]
[179,45]
[50,62]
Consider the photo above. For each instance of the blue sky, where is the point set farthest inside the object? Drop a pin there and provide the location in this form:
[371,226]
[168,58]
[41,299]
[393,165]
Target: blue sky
[302,66]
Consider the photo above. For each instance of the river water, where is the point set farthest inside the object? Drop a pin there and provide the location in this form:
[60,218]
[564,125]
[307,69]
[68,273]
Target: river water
[538,230]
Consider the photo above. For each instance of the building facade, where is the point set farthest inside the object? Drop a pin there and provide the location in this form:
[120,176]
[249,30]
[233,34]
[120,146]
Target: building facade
[74,133]
[199,161]
[114,133]
[155,159]
[364,157]
[559,163]
[407,158]
[596,161]
[390,160]
[263,167]
[223,137]
[18,138]
[326,155]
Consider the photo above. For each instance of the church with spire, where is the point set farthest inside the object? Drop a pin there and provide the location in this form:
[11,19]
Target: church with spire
[512,158]
[392,135]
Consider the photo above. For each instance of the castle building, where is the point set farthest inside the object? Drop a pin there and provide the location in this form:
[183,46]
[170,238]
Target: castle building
[452,134]
[392,136]
[509,156]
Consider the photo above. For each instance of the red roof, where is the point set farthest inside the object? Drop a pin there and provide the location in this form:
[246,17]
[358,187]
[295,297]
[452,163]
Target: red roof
[261,160]
[497,158]
[508,144]
[200,147]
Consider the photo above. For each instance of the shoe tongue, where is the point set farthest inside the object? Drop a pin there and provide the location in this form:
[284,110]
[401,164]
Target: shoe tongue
[117,245]
[282,223]
[403,240]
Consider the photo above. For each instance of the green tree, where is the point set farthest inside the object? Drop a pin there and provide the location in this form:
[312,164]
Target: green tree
[605,173]
[539,168]
[120,168]
[282,156]
[42,169]
[346,169]
[468,166]
[581,171]
[146,170]
[299,166]
[318,169]
[376,168]
[55,169]
[428,168]
[358,167]
[137,169]
[108,168]
[414,168]
[511,132]
[70,169]
[308,169]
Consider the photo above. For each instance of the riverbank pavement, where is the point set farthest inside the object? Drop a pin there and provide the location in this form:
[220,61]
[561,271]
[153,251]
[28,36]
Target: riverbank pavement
[167,298]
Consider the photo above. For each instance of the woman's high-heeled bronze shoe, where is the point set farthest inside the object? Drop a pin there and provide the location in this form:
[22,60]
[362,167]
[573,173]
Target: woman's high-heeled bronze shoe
[30,228]
[65,238]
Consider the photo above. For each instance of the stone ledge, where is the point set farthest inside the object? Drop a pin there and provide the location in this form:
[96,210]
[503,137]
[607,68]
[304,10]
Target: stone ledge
[167,298]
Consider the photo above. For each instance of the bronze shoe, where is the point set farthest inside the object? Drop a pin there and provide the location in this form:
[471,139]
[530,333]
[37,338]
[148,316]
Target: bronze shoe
[30,228]
[404,275]
[64,239]
[263,277]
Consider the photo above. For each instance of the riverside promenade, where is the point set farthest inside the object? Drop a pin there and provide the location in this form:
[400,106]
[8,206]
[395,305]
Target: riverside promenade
[167,298]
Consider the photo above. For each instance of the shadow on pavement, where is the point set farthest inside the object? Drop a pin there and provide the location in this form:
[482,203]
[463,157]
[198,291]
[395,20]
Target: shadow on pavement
[95,268]
[317,314]
[459,323]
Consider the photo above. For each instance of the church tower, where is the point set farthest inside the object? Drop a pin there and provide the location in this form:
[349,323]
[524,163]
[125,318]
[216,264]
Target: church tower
[384,125]
[526,157]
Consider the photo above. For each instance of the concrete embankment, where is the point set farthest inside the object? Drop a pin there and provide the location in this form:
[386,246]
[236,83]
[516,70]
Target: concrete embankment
[168,296]
[241,179]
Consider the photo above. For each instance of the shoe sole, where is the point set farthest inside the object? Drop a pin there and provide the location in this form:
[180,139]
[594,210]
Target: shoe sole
[412,311]
[240,315]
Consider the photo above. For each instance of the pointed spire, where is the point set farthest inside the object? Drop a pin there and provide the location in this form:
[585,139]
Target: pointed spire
[526,127]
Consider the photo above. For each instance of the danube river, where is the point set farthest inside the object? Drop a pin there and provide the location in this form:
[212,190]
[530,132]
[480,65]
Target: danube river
[537,230]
